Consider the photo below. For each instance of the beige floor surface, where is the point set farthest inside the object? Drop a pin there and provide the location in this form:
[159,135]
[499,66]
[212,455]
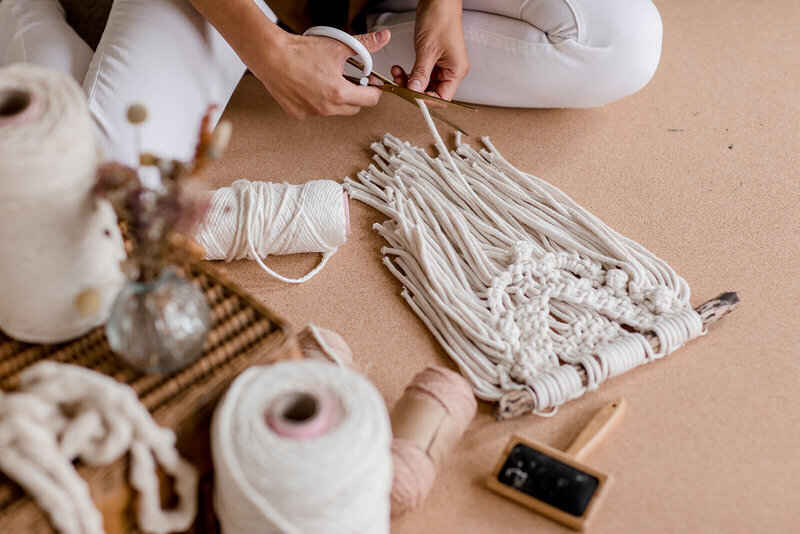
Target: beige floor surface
[702,167]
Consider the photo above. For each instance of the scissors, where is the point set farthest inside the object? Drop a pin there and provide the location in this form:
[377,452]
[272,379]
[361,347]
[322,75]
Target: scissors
[386,85]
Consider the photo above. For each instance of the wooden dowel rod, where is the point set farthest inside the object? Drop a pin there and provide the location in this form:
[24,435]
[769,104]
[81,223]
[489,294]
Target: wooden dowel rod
[516,403]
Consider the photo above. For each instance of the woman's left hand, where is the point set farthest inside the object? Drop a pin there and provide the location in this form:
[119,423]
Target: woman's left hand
[441,51]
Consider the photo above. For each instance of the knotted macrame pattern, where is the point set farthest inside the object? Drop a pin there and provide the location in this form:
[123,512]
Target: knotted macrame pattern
[520,285]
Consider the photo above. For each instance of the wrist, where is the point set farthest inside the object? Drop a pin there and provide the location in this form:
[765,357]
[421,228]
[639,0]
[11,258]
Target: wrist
[245,27]
[272,36]
[262,49]
[439,12]
[448,5]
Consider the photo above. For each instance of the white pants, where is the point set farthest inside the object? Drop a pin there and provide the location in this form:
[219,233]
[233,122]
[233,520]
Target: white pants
[162,53]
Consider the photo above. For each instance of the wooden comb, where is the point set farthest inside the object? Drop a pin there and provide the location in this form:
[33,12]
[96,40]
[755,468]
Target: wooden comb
[554,483]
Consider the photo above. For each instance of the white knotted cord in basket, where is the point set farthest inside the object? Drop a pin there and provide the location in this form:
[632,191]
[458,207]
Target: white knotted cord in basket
[65,412]
[514,279]
[255,219]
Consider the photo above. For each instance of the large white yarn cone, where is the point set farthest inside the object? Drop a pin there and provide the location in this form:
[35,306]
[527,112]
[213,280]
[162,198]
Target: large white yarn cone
[335,482]
[60,254]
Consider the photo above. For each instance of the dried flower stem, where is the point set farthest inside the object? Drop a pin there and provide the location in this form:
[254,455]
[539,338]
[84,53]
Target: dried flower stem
[151,219]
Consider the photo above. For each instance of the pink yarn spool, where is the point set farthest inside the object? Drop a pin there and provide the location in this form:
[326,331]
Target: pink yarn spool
[427,421]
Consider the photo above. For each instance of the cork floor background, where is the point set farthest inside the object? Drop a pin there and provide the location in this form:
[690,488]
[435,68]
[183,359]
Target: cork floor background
[710,440]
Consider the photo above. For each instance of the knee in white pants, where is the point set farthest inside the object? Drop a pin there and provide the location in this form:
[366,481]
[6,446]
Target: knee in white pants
[559,53]
[632,35]
[35,31]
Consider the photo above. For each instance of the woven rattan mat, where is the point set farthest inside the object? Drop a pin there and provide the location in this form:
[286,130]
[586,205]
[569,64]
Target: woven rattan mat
[244,333]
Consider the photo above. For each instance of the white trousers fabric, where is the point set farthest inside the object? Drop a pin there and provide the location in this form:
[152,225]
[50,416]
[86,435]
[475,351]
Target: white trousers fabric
[162,53]
[540,53]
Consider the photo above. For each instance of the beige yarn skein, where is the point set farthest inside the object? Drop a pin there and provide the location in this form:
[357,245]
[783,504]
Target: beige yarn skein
[59,263]
[428,420]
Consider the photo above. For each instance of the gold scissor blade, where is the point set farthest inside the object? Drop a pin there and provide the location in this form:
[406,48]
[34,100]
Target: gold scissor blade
[410,95]
[389,88]
[357,64]
[404,91]
[356,80]
[450,123]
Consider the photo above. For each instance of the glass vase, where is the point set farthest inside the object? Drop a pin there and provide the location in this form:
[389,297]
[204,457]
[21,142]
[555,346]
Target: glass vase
[159,326]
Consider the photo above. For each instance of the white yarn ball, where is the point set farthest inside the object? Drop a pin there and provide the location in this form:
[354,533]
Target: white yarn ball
[338,482]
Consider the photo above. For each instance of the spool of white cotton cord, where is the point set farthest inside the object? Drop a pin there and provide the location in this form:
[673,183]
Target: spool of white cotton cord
[59,263]
[255,219]
[302,447]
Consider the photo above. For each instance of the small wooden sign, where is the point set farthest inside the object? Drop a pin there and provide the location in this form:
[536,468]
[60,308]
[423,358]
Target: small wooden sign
[548,481]
[555,483]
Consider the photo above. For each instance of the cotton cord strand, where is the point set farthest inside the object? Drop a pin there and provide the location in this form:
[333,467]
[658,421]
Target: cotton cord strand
[338,482]
[516,281]
[253,220]
[324,345]
[65,412]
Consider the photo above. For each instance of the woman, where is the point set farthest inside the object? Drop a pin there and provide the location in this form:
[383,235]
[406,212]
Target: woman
[179,56]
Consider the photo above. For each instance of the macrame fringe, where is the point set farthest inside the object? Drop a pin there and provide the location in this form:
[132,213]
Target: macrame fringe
[515,280]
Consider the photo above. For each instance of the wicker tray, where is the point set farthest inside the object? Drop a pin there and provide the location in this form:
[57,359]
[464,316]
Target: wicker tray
[244,333]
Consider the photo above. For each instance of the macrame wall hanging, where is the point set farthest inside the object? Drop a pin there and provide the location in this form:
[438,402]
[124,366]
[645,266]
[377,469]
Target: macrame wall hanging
[535,298]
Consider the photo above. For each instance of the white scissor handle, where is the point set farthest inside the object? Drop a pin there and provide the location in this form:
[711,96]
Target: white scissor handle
[349,40]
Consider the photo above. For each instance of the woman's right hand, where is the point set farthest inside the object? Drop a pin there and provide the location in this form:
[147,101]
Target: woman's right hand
[304,75]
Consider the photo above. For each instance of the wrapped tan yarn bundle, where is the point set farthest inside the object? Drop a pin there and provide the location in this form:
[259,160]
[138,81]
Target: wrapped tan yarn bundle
[427,422]
[59,263]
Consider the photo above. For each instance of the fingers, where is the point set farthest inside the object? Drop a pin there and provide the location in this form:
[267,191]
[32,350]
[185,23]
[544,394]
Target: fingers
[372,41]
[399,76]
[446,89]
[359,96]
[432,104]
[346,99]
[420,75]
[348,110]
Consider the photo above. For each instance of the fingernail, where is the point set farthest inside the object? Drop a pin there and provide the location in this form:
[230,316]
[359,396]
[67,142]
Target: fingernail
[382,35]
[415,85]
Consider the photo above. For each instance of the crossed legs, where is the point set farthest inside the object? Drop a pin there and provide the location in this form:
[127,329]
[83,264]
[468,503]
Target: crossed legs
[162,53]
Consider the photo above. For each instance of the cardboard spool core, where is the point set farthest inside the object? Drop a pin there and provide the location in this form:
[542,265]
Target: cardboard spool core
[301,415]
[16,106]
[13,102]
[424,421]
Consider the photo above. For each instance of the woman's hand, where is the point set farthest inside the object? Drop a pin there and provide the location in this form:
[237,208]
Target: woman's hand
[441,51]
[304,75]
